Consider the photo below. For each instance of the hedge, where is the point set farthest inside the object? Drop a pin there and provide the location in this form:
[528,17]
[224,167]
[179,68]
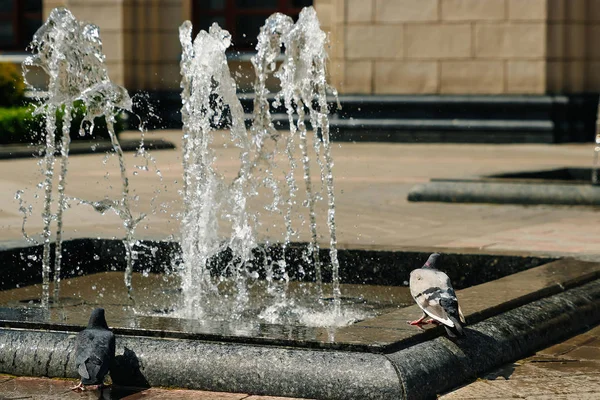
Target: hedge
[19,125]
[12,87]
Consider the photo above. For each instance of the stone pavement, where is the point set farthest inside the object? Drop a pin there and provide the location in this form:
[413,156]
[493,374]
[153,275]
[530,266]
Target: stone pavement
[568,370]
[13,388]
[371,181]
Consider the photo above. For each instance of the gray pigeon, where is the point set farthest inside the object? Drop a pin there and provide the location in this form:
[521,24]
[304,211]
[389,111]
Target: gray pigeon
[94,351]
[433,292]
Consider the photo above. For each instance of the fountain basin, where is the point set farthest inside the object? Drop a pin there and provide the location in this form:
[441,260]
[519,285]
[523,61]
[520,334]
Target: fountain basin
[561,186]
[514,303]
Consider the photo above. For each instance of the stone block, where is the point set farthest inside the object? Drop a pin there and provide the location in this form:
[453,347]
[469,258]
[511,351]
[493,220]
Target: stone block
[473,10]
[339,11]
[507,40]
[472,77]
[575,78]
[555,79]
[335,68]
[436,41]
[406,10]
[556,10]
[592,72]
[324,13]
[112,45]
[116,72]
[336,41]
[528,10]
[107,17]
[358,77]
[410,77]
[167,76]
[556,41]
[593,50]
[167,47]
[576,41]
[576,10]
[526,77]
[593,11]
[169,18]
[374,42]
[360,10]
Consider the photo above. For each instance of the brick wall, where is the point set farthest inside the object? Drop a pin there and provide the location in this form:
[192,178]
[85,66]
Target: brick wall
[463,46]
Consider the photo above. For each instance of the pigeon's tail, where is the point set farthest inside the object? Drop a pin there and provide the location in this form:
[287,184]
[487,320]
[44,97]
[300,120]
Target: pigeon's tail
[456,330]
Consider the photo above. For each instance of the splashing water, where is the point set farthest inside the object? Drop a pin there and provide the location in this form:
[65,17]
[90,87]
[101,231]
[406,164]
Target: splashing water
[70,52]
[595,165]
[209,97]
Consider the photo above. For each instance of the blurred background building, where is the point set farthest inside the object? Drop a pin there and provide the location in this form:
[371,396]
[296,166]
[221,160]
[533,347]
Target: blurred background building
[446,60]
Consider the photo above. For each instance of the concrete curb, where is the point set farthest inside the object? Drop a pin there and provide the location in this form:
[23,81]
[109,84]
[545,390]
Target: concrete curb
[417,372]
[505,193]
[82,147]
[268,370]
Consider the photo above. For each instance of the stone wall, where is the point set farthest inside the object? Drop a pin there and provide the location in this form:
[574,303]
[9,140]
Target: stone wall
[386,46]
[109,16]
[140,38]
[463,46]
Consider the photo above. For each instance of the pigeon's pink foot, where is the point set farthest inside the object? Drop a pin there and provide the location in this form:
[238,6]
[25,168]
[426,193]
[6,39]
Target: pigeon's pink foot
[432,321]
[79,387]
[417,321]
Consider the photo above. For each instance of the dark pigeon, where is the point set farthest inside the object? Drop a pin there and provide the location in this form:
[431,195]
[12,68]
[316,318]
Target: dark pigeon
[434,294]
[94,350]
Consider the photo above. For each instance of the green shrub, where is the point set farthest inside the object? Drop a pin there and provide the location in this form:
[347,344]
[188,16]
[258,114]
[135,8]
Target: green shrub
[19,125]
[12,87]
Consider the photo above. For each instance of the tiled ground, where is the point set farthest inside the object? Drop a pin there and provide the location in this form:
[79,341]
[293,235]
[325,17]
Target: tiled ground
[12,388]
[568,370]
[372,181]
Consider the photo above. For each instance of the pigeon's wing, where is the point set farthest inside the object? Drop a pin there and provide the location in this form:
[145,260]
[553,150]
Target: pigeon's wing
[95,351]
[104,353]
[460,313]
[83,372]
[428,287]
[83,350]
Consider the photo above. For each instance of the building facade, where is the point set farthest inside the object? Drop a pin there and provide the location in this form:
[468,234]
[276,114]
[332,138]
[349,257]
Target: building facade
[377,46]
[406,48]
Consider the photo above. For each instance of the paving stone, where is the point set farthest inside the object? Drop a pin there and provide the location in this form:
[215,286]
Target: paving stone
[530,386]
[574,367]
[518,371]
[579,396]
[157,394]
[478,390]
[50,389]
[546,375]
[584,353]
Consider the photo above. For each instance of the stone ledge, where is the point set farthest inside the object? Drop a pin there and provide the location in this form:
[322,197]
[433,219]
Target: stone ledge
[505,193]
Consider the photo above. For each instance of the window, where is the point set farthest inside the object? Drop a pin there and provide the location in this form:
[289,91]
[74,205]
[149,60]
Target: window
[19,20]
[242,18]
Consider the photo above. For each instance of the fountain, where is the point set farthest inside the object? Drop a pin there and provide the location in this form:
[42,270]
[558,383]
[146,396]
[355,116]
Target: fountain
[226,309]
[218,217]
[209,92]
[70,52]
